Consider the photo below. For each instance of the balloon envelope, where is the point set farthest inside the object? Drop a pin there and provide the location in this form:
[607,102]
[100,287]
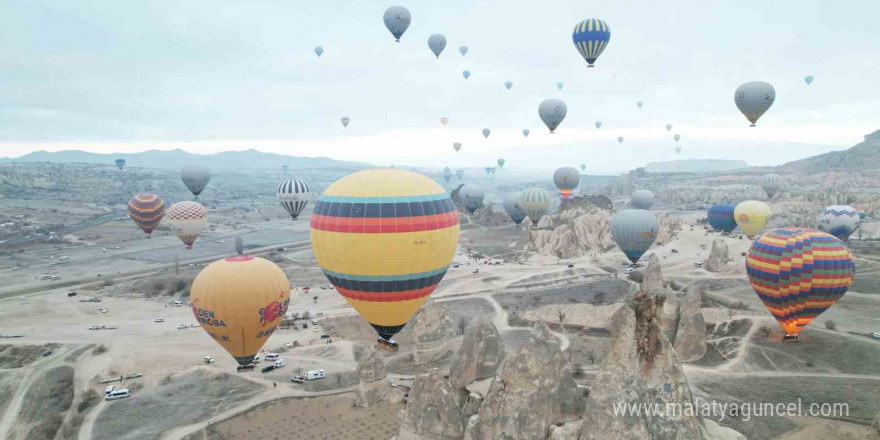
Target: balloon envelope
[808,79]
[120,163]
[720,217]
[677,150]
[668,127]
[634,231]
[459,174]
[397,20]
[466,74]
[559,85]
[146,211]
[294,195]
[463,50]
[513,207]
[508,84]
[641,199]
[677,137]
[472,196]
[319,50]
[444,121]
[753,99]
[486,132]
[771,183]
[536,202]
[525,132]
[345,121]
[500,162]
[590,38]
[384,238]
[640,104]
[583,166]
[196,178]
[566,180]
[187,219]
[620,139]
[457,146]
[239,301]
[598,124]
[751,216]
[839,220]
[437,43]
[552,112]
[798,274]
[447,174]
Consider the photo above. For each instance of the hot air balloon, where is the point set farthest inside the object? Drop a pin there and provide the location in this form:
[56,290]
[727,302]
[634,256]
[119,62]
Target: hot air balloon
[187,219]
[345,121]
[239,301]
[294,195]
[488,170]
[552,112]
[668,127]
[677,150]
[457,146]
[437,43]
[559,85]
[508,84]
[444,120]
[471,196]
[536,202]
[751,216]
[284,168]
[319,50]
[620,139]
[525,132]
[466,74]
[721,217]
[397,20]
[861,210]
[598,124]
[634,231]
[753,99]
[447,174]
[677,137]
[120,163]
[463,50]
[808,79]
[839,221]
[486,132]
[566,180]
[196,178]
[641,199]
[384,238]
[513,207]
[590,38]
[583,166]
[146,211]
[640,104]
[798,274]
[459,174]
[771,183]
[500,163]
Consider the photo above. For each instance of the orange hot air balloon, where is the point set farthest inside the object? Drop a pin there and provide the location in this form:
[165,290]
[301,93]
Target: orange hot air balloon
[239,301]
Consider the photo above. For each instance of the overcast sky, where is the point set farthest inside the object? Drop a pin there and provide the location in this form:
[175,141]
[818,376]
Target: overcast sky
[208,76]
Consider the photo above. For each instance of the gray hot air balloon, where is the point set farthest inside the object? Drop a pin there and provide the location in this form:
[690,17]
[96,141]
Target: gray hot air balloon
[640,104]
[583,167]
[397,20]
[513,208]
[598,124]
[459,174]
[668,127]
[525,132]
[437,43]
[559,85]
[620,139]
[486,132]
[472,196]
[677,137]
[808,79]
[463,50]
[447,174]
[634,231]
[771,183]
[501,162]
[196,178]
[677,150]
[466,74]
[457,146]
[319,50]
[566,180]
[120,163]
[508,84]
[552,112]
[753,99]
[345,121]
[641,199]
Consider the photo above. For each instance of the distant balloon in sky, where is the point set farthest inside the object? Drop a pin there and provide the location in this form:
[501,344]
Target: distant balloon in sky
[444,120]
[466,74]
[753,99]
[472,196]
[513,207]
[447,174]
[668,127]
[583,166]
[500,163]
[284,168]
[120,163]
[508,84]
[196,178]
[459,174]
[559,85]
[457,146]
[640,104]
[590,38]
[771,183]
[345,121]
[634,231]
[397,20]
[486,132]
[566,180]
[187,219]
[641,199]
[677,150]
[536,202]
[677,137]
[146,211]
[525,132]
[294,195]
[552,112]
[463,50]
[319,50]
[437,43]
[808,79]
[598,124]
[839,220]
[751,216]
[620,139]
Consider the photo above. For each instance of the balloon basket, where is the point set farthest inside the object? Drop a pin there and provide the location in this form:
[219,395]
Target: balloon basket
[791,338]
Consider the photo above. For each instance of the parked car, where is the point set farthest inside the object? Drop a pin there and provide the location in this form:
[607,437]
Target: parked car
[208,360]
[94,327]
[297,379]
[280,363]
[698,264]
[177,303]
[288,344]
[71,294]
[325,336]
[875,335]
[159,320]
[268,368]
[182,326]
[629,270]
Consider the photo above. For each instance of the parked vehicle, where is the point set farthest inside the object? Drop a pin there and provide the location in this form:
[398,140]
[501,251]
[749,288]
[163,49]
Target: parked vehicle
[280,363]
[315,321]
[108,390]
[268,368]
[117,394]
[272,357]
[315,374]
[325,336]
[698,264]
[182,326]
[297,379]
[875,335]
[208,360]
[70,294]
[94,327]
[177,304]
[159,320]
[629,270]
[287,344]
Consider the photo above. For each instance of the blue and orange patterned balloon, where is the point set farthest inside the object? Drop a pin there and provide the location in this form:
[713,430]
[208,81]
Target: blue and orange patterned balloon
[799,273]
[590,38]
[146,211]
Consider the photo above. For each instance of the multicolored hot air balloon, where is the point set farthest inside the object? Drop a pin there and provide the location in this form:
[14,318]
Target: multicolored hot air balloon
[146,211]
[751,216]
[566,180]
[513,207]
[839,220]
[437,42]
[472,196]
[590,38]
[753,99]
[120,163]
[319,50]
[196,178]
[384,238]
[525,132]
[798,274]
[552,112]
[456,146]
[239,301]
[771,183]
[536,202]
[459,174]
[187,219]
[486,132]
[345,121]
[634,231]
[294,195]
[720,217]
[466,74]
[447,174]
[500,163]
[397,20]
[641,199]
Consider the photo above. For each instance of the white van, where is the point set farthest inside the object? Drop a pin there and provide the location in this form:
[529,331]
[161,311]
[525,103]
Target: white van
[280,363]
[177,304]
[108,390]
[272,357]
[117,394]
[316,374]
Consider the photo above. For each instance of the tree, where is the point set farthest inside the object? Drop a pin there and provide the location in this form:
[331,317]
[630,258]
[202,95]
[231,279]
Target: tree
[239,245]
[765,331]
[577,369]
[462,324]
[599,298]
[561,315]
[591,355]
[339,379]
[830,324]
[306,315]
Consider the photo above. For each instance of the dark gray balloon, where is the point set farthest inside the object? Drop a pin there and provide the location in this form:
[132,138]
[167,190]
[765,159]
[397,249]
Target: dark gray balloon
[345,121]
[513,208]
[525,132]
[472,196]
[552,112]
[319,50]
[753,99]
[486,132]
[437,43]
[397,20]
[463,50]
[634,231]
[195,177]
[641,199]
[566,180]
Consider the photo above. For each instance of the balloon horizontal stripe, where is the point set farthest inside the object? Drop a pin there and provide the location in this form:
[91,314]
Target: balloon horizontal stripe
[389,209]
[387,225]
[386,296]
[384,199]
[379,278]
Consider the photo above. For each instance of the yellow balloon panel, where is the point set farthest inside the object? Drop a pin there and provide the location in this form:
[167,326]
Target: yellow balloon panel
[751,216]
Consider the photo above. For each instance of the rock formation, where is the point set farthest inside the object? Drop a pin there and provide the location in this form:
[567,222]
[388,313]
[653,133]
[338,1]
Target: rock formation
[652,279]
[431,330]
[433,411]
[480,354]
[718,256]
[374,386]
[690,337]
[532,391]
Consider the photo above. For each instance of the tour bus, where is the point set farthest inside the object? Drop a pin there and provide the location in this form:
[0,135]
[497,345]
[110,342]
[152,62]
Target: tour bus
[117,394]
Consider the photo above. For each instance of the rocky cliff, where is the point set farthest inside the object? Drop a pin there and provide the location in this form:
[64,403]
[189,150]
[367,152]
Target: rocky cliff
[718,256]
[374,386]
[480,354]
[431,331]
[433,411]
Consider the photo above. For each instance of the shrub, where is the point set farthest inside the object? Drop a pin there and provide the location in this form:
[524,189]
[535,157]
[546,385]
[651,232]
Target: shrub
[101,349]
[108,282]
[180,285]
[739,305]
[577,369]
[830,325]
[765,331]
